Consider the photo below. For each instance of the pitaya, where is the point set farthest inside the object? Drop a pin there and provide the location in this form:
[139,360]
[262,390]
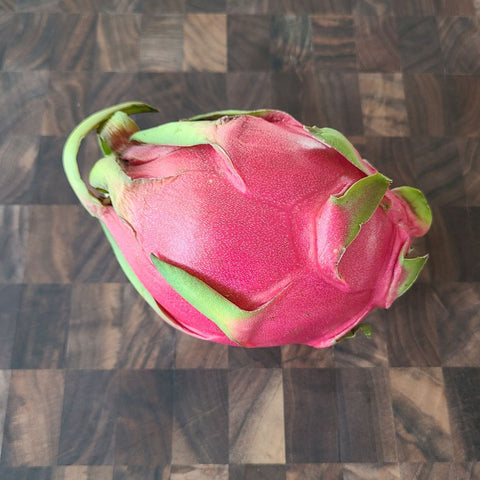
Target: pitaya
[248,228]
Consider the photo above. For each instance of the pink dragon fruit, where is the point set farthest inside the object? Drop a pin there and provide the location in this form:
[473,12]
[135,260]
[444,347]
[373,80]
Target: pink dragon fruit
[248,228]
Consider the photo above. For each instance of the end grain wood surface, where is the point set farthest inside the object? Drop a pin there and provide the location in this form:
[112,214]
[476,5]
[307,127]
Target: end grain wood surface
[93,386]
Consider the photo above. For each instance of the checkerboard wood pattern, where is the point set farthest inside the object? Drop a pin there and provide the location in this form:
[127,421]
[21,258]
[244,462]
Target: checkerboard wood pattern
[94,386]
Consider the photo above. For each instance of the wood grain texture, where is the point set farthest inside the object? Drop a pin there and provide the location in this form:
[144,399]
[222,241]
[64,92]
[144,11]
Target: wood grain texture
[81,472]
[309,471]
[118,38]
[95,386]
[311,424]
[143,433]
[42,326]
[161,43]
[37,30]
[290,43]
[462,396]
[93,344]
[123,472]
[4,388]
[256,416]
[383,104]
[412,329]
[13,238]
[459,39]
[366,434]
[18,154]
[428,471]
[32,424]
[373,7]
[146,342]
[426,104]
[191,353]
[257,472]
[88,420]
[334,43]
[377,44]
[22,101]
[419,44]
[369,471]
[205,53]
[419,405]
[248,42]
[199,472]
[10,299]
[460,328]
[200,417]
[470,164]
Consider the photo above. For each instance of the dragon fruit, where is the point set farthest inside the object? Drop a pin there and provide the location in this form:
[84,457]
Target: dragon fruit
[249,228]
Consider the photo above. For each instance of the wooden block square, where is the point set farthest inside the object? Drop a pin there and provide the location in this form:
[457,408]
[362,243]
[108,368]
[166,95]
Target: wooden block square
[95,329]
[118,40]
[88,419]
[143,434]
[4,388]
[407,321]
[66,102]
[76,43]
[42,324]
[291,43]
[256,416]
[10,299]
[415,31]
[30,42]
[248,42]
[419,403]
[435,160]
[32,422]
[200,425]
[377,44]
[69,229]
[311,423]
[334,43]
[463,91]
[456,343]
[383,104]
[463,392]
[460,43]
[22,100]
[205,51]
[426,104]
[14,239]
[468,149]
[370,436]
[18,154]
[161,44]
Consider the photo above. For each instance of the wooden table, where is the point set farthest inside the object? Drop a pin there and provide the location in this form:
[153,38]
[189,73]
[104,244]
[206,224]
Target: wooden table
[94,386]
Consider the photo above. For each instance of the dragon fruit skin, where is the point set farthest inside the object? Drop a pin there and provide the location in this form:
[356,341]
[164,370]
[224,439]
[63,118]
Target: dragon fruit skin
[248,228]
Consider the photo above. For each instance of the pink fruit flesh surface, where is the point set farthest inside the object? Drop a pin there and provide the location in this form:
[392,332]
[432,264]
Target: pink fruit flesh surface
[247,228]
